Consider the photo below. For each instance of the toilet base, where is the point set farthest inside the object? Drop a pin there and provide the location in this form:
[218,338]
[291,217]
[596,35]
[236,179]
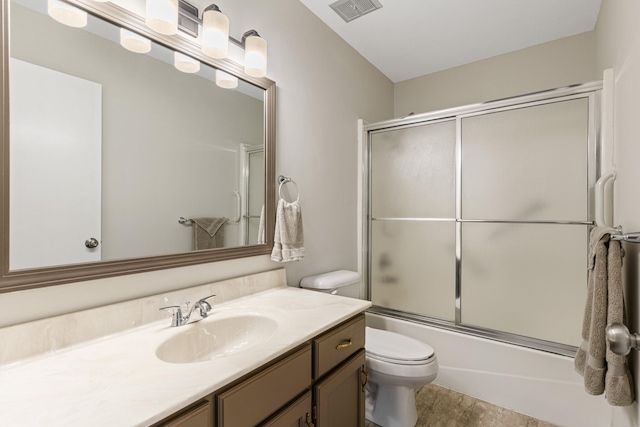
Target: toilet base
[394,407]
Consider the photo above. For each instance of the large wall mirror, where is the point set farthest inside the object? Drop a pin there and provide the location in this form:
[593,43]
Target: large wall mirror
[117,161]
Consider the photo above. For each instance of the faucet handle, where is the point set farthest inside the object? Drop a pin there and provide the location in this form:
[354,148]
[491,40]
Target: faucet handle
[176,314]
[204,306]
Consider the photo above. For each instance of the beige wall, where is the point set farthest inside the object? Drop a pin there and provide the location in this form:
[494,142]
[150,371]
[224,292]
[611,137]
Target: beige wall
[618,47]
[550,65]
[324,86]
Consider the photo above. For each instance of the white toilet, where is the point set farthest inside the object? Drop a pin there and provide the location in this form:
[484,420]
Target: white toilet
[396,363]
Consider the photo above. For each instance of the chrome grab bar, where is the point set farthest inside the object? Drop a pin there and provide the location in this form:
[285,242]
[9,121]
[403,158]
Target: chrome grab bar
[238,208]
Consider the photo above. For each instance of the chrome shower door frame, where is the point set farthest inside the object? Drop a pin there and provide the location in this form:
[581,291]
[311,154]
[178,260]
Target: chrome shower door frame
[590,91]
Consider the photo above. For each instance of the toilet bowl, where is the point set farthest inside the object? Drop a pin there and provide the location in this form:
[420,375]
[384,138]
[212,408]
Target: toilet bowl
[396,365]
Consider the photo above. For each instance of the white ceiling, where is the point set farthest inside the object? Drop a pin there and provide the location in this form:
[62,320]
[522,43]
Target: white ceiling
[411,38]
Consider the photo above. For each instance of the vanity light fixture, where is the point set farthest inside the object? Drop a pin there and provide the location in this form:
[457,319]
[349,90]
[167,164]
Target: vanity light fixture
[134,42]
[185,63]
[226,80]
[255,54]
[66,14]
[215,39]
[162,16]
[215,33]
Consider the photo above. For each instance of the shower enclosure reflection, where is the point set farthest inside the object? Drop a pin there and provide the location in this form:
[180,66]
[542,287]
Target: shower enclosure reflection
[253,178]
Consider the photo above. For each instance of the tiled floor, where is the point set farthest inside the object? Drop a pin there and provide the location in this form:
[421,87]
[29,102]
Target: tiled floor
[441,407]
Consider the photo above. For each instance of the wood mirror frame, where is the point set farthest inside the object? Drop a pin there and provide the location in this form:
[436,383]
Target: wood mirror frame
[13,280]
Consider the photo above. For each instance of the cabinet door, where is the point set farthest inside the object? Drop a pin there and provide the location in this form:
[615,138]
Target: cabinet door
[294,415]
[199,416]
[339,398]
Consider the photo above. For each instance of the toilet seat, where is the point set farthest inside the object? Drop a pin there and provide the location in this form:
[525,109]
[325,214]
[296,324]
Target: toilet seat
[395,348]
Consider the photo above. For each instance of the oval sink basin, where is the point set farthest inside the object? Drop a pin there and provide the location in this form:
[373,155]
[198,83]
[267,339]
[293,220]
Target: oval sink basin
[214,338]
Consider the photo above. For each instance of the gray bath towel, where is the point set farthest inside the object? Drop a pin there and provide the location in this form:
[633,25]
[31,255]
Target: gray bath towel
[603,370]
[288,241]
[208,233]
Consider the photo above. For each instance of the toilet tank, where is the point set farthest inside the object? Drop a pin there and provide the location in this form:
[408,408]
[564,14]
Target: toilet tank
[340,282]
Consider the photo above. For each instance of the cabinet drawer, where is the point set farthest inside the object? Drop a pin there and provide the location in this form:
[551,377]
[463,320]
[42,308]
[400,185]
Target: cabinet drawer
[337,345]
[253,400]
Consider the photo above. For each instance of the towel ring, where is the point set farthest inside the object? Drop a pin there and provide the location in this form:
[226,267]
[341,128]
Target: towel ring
[284,181]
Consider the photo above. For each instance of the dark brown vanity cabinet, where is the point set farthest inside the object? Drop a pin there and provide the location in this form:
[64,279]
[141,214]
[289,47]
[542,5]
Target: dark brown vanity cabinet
[257,398]
[321,384]
[340,376]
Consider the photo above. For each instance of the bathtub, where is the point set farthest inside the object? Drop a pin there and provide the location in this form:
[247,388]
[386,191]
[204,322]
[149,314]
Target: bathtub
[535,383]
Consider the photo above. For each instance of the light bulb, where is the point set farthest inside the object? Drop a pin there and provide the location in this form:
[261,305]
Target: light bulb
[67,14]
[215,34]
[226,80]
[185,63]
[255,56]
[162,16]
[134,42]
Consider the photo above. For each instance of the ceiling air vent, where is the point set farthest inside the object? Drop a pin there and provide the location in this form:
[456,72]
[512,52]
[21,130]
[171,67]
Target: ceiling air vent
[352,9]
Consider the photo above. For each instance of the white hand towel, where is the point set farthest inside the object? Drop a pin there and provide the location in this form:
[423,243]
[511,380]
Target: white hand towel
[288,241]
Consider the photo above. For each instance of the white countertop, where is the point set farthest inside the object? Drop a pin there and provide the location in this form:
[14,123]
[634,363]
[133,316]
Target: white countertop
[119,381]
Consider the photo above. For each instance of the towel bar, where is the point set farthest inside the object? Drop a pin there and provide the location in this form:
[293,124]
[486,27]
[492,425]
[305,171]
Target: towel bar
[629,237]
[283,180]
[620,340]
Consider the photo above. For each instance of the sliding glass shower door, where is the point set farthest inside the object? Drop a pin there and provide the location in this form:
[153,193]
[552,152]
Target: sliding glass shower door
[413,219]
[478,220]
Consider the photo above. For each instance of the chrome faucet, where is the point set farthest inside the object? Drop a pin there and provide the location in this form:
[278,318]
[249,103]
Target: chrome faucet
[178,319]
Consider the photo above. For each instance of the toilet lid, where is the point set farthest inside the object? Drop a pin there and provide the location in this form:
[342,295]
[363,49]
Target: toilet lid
[391,346]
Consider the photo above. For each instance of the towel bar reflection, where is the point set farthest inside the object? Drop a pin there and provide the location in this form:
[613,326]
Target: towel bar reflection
[236,193]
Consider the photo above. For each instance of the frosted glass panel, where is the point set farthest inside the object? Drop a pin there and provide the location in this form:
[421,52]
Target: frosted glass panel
[529,280]
[413,172]
[526,164]
[413,267]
